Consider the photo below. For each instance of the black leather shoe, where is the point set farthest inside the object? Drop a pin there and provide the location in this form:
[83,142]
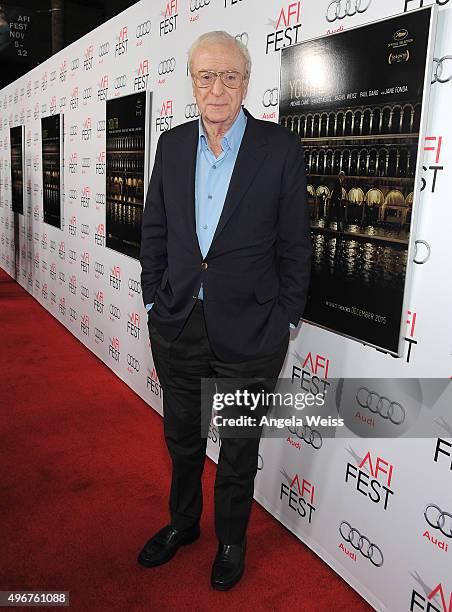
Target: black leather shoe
[164,545]
[228,566]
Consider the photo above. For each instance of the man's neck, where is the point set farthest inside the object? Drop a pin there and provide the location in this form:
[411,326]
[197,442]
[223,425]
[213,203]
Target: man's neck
[215,131]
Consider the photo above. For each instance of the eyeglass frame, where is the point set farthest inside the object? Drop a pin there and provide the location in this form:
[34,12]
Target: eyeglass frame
[219,74]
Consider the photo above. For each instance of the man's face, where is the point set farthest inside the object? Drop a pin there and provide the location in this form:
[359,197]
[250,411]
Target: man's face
[219,104]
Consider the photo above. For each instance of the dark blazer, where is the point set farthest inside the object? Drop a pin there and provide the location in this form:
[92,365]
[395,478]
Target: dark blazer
[256,273]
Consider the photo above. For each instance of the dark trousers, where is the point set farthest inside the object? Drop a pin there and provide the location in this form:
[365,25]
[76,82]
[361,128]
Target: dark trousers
[180,365]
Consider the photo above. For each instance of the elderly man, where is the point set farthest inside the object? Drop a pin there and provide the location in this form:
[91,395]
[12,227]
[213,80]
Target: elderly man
[225,256]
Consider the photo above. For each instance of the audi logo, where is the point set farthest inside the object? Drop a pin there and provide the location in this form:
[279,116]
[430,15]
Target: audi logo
[438,68]
[87,93]
[73,194]
[143,29]
[104,48]
[339,9]
[133,362]
[270,97]
[167,66]
[75,64]
[191,111]
[436,518]
[381,405]
[362,543]
[115,311]
[427,254]
[243,38]
[308,435]
[99,267]
[134,285]
[195,5]
[121,81]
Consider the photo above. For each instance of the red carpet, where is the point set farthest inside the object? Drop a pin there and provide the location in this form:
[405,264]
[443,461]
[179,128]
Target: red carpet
[84,479]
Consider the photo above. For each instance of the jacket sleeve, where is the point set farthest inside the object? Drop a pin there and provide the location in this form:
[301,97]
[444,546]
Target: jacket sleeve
[294,244]
[153,255]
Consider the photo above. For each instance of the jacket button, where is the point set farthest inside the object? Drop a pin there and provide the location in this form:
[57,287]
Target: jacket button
[204,265]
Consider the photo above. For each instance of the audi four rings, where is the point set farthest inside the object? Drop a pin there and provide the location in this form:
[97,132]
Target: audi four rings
[436,518]
[339,9]
[270,97]
[438,69]
[362,543]
[427,255]
[195,5]
[167,66]
[191,111]
[143,29]
[379,404]
[243,37]
[308,435]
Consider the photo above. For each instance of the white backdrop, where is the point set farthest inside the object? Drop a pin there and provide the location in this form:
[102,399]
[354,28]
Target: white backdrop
[86,286]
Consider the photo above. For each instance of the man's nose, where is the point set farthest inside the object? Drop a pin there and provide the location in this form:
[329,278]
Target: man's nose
[217,87]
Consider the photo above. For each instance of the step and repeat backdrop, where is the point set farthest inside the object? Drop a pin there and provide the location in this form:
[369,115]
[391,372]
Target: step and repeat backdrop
[77,142]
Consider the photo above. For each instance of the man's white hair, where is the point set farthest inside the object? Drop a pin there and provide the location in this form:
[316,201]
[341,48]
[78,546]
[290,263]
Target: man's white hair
[216,37]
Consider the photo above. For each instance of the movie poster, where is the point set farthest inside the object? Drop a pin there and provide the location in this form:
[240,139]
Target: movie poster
[17,182]
[356,100]
[125,172]
[51,169]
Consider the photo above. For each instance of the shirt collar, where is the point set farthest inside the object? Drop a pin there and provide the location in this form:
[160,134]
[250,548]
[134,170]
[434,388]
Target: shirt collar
[232,138]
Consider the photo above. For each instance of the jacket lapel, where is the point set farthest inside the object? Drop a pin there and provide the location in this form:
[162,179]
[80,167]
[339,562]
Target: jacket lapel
[251,154]
[186,156]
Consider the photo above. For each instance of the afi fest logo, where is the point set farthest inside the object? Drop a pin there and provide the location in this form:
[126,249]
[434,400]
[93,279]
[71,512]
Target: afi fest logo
[164,120]
[312,374]
[84,324]
[100,163]
[102,88]
[371,477]
[141,80]
[85,197]
[433,600]
[115,278]
[133,325]
[73,103]
[88,59]
[298,494]
[417,4]
[86,130]
[73,225]
[99,235]
[99,302]
[153,383]
[84,262]
[114,349]
[121,41]
[169,21]
[63,71]
[287,28]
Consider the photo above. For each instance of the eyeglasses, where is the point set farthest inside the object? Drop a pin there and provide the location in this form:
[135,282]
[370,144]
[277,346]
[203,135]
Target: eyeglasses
[229,78]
